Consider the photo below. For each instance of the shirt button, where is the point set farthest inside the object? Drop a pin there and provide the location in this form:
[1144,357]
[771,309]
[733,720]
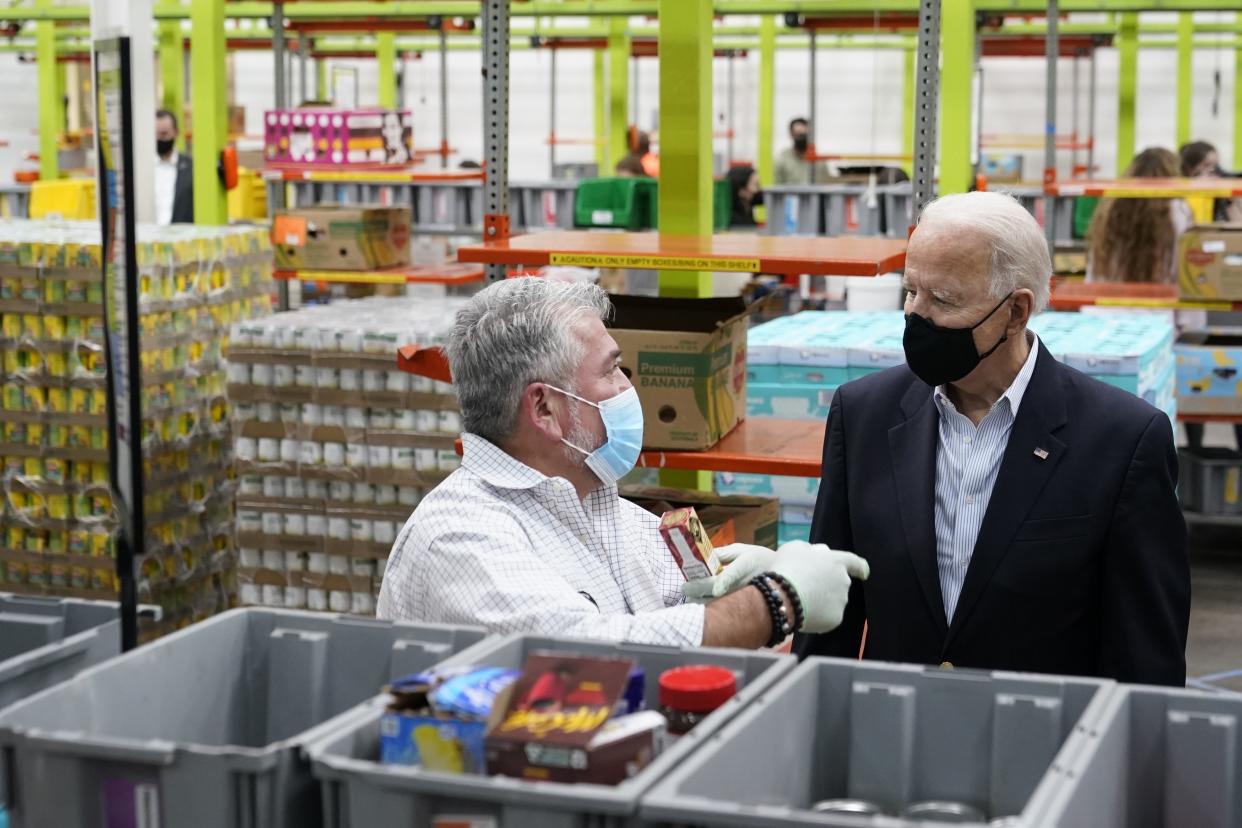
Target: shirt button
[968,439]
[970,499]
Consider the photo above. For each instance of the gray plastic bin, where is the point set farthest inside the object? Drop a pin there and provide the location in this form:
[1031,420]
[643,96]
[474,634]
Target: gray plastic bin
[359,792]
[889,734]
[1210,480]
[1154,758]
[45,640]
[204,726]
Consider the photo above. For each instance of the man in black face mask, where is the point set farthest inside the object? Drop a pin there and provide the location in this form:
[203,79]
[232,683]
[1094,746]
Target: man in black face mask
[792,165]
[174,174]
[1015,513]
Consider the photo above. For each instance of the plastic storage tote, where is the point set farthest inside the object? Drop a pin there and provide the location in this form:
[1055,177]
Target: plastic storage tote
[627,203]
[204,727]
[892,735]
[44,641]
[1154,758]
[359,792]
[1210,480]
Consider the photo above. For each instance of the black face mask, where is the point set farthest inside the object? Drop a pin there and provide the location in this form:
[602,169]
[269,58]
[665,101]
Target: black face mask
[164,146]
[801,143]
[939,355]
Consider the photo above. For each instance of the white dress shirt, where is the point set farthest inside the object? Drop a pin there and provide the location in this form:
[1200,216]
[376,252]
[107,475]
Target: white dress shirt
[502,546]
[165,188]
[968,460]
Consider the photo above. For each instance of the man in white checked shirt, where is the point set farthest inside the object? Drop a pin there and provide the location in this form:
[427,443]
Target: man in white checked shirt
[530,535]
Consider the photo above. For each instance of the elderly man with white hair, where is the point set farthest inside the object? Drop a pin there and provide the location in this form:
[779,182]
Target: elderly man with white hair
[530,535]
[1015,513]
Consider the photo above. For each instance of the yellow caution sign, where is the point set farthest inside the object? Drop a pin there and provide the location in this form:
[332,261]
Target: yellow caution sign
[654,262]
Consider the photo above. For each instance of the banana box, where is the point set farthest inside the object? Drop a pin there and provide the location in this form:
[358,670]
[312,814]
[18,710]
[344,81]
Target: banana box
[687,360]
[342,238]
[1209,373]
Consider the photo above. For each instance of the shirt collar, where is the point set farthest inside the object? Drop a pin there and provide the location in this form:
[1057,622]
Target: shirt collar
[1016,390]
[498,468]
[171,162]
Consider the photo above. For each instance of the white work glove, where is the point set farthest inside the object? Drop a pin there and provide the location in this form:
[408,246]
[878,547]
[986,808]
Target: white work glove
[821,577]
[743,561]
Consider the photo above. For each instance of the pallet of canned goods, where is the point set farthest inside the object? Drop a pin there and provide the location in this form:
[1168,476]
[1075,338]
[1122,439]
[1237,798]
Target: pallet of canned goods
[335,446]
[58,523]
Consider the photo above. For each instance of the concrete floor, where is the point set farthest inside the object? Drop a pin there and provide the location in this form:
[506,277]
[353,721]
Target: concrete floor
[1214,647]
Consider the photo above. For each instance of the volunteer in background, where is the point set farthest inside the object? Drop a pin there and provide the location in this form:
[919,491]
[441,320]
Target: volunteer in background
[744,186]
[631,166]
[530,535]
[792,166]
[1016,514]
[174,174]
[1199,159]
[1135,239]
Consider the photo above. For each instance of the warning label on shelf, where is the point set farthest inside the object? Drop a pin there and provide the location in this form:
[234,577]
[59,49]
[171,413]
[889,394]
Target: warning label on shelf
[654,262]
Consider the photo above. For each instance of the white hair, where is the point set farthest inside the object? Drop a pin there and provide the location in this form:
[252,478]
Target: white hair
[1019,252]
[513,333]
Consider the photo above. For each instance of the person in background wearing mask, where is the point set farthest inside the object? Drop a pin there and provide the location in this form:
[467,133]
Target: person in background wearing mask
[1016,514]
[174,174]
[744,185]
[1199,159]
[530,535]
[792,166]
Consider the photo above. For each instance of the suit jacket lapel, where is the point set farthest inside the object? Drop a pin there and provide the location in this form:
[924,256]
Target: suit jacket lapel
[913,445]
[1023,475]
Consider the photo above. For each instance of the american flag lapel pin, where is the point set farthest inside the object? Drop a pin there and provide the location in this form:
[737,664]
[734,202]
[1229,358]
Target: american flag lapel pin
[1042,454]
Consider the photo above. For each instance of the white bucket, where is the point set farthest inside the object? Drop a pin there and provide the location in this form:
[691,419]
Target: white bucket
[873,293]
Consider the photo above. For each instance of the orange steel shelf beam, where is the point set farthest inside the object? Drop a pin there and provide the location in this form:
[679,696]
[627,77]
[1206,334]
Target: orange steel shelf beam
[1074,295]
[1149,188]
[742,252]
[447,274]
[1187,417]
[376,176]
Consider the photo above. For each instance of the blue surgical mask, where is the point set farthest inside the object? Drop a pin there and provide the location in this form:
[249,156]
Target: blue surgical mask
[623,425]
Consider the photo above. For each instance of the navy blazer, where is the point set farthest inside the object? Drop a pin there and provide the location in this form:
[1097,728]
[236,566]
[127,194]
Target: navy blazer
[183,201]
[1080,566]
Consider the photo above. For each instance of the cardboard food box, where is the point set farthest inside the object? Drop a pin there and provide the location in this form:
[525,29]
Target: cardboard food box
[687,540]
[687,358]
[1209,373]
[342,238]
[727,518]
[556,723]
[1211,262]
[330,137]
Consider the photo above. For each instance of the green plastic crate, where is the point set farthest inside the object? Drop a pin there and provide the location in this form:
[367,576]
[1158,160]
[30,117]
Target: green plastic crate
[1084,209]
[626,203]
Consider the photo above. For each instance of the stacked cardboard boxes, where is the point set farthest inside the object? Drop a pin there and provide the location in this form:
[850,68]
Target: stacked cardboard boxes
[335,446]
[57,515]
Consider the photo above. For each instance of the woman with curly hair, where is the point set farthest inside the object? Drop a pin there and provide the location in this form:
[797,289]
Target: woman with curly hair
[1135,239]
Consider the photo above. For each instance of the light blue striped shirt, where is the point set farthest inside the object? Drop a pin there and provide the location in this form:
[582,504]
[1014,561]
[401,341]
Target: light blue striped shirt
[968,459]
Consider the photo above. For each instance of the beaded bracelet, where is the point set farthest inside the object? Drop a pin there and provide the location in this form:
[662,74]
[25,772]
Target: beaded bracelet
[795,600]
[781,628]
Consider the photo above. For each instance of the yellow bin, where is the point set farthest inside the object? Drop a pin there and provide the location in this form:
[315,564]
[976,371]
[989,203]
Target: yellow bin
[70,198]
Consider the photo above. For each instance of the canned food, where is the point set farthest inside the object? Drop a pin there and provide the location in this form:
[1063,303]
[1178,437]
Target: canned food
[943,811]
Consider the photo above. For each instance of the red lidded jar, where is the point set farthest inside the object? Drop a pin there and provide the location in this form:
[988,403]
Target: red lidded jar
[690,694]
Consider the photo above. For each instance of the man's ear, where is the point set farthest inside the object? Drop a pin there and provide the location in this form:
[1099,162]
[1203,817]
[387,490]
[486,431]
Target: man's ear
[540,410]
[1021,309]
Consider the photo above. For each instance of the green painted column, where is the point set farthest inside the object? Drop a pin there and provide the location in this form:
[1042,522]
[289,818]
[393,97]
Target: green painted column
[172,72]
[618,91]
[1237,100]
[209,102]
[386,58]
[957,48]
[1127,87]
[1185,71]
[685,132]
[686,154]
[51,113]
[767,99]
[601,116]
[907,109]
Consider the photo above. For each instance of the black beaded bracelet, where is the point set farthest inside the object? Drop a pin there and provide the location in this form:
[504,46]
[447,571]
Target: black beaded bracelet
[781,628]
[795,600]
